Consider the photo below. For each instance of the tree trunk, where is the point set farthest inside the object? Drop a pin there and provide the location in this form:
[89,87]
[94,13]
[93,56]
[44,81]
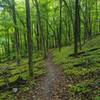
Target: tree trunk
[16,33]
[29,38]
[41,29]
[77,27]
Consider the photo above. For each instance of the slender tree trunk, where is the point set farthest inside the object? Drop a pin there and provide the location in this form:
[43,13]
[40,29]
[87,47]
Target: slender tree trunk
[41,29]
[60,26]
[47,40]
[37,35]
[29,37]
[8,43]
[16,33]
[77,27]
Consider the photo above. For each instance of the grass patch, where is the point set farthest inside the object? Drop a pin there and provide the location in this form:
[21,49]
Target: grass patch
[22,71]
[81,71]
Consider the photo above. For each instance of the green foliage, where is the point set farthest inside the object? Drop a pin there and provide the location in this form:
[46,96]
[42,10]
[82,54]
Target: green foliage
[90,62]
[97,98]
[97,92]
[79,89]
[5,74]
[83,77]
[50,22]
[86,88]
[7,95]
[22,71]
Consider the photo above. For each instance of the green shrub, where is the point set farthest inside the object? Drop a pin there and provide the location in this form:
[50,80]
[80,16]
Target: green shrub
[79,89]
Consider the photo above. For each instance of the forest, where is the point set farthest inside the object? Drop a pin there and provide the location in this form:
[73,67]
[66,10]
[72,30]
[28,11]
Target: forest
[49,49]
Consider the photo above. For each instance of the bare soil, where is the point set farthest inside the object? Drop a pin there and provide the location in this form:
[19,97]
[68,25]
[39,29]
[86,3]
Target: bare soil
[51,87]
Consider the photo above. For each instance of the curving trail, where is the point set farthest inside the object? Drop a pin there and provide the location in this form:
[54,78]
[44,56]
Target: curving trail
[52,86]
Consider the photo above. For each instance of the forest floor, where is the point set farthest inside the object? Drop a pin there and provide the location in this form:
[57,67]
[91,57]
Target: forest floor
[51,87]
[60,76]
[67,77]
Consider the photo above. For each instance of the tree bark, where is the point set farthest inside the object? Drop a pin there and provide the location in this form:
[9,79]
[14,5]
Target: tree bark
[29,38]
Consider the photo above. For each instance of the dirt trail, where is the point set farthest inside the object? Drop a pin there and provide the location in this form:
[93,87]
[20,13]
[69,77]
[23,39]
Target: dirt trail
[52,85]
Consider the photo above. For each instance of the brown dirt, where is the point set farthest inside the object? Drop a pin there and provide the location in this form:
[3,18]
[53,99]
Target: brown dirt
[52,86]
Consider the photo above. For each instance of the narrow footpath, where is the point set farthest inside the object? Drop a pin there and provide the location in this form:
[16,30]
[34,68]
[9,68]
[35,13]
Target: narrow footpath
[52,86]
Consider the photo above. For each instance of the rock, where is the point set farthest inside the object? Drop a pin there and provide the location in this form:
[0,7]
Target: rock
[15,90]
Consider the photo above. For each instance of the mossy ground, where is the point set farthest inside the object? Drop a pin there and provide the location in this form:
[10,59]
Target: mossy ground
[82,73]
[79,74]
[22,71]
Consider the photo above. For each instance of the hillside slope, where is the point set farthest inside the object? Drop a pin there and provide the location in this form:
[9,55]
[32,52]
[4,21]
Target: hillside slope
[82,73]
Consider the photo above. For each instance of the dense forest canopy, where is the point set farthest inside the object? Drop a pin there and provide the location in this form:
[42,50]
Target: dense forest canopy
[50,17]
[31,27]
[52,24]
